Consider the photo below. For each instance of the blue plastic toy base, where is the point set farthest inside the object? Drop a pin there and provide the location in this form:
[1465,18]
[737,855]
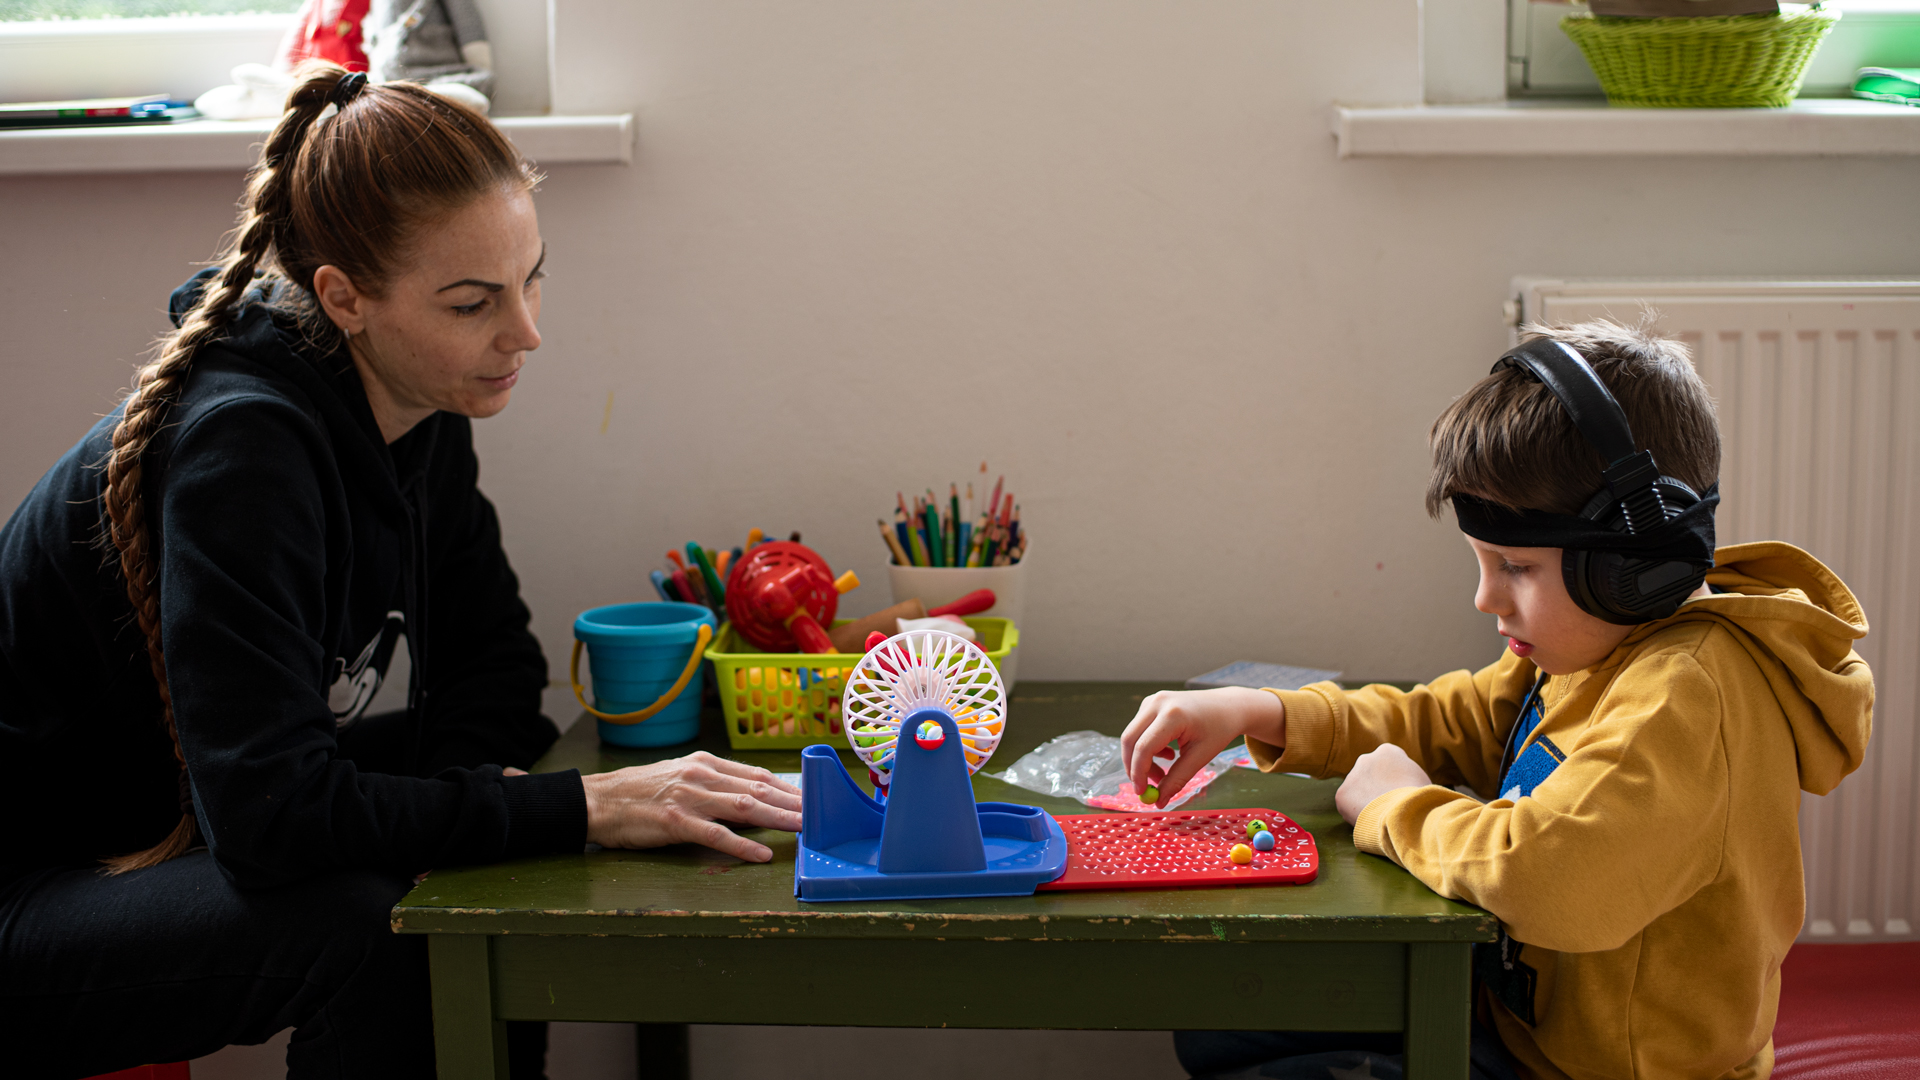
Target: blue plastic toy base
[929,840]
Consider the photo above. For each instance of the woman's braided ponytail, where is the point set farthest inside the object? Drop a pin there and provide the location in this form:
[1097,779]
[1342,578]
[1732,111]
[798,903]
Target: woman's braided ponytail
[157,385]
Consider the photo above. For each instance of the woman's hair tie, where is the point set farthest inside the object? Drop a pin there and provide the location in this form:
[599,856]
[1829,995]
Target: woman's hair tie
[348,88]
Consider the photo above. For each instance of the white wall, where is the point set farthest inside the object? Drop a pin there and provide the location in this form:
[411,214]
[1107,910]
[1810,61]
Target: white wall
[1103,244]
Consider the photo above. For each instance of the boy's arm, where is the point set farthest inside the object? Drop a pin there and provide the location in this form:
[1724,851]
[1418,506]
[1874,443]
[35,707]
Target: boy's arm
[1626,828]
[1453,727]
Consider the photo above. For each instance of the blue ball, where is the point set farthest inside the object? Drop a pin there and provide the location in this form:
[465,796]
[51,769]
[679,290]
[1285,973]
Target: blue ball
[1263,841]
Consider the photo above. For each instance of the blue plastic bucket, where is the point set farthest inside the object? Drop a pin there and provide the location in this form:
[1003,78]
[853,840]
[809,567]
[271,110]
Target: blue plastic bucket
[636,653]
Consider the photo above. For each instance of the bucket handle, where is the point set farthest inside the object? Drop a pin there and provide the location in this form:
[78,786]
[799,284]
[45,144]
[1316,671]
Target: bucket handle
[666,699]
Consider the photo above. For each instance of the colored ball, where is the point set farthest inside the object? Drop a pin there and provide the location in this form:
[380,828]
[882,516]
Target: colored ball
[1241,854]
[930,734]
[1255,826]
[1151,795]
[1263,841]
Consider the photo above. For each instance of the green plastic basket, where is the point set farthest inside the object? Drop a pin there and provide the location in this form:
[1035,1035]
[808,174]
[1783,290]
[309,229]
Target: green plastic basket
[1717,62]
[785,701]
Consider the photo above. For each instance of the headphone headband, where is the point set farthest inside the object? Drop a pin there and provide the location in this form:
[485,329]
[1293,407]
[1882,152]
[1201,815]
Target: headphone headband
[1597,414]
[1593,407]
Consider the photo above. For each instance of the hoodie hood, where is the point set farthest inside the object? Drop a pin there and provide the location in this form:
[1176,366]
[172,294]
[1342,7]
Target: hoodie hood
[264,331]
[1798,621]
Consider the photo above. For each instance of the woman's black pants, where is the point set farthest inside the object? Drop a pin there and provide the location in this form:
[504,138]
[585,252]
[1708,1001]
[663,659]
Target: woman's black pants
[100,973]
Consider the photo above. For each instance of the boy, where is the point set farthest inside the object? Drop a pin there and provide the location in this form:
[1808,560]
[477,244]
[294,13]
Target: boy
[1642,743]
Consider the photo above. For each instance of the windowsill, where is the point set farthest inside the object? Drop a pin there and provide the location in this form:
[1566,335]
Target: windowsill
[1585,127]
[202,145]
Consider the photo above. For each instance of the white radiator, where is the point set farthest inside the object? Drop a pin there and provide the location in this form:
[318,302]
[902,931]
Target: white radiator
[1818,386]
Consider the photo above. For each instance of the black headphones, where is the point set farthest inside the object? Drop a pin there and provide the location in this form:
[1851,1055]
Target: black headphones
[1618,587]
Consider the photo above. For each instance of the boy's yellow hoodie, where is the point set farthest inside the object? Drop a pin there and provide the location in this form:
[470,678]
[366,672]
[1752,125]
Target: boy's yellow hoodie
[1653,878]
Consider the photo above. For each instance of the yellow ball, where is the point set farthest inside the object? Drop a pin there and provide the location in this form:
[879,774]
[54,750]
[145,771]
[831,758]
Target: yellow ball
[1241,854]
[1151,795]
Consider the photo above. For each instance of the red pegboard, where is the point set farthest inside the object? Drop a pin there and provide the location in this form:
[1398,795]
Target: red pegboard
[1180,848]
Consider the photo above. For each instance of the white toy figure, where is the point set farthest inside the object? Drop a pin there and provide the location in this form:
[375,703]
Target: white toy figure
[441,43]
[257,92]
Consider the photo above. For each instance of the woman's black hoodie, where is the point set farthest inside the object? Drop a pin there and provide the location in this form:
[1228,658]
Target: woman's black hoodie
[293,547]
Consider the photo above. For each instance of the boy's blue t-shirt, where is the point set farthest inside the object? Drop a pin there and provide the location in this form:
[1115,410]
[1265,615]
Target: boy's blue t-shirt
[1538,761]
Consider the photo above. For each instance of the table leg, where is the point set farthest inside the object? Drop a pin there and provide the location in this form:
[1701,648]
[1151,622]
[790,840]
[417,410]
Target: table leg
[469,1042]
[1439,1010]
[664,1051]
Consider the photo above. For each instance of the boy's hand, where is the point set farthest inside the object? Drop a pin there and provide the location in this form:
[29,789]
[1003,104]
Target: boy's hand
[686,799]
[1203,723]
[1387,768]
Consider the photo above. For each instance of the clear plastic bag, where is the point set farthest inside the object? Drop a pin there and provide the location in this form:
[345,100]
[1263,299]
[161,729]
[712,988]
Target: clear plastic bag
[1086,765]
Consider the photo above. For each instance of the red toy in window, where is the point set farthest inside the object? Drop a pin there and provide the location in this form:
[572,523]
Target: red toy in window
[326,30]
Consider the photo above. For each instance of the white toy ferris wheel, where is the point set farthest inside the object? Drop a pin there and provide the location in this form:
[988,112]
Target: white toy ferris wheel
[923,669]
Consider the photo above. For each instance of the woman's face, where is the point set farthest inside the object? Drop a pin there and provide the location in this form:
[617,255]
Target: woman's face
[456,320]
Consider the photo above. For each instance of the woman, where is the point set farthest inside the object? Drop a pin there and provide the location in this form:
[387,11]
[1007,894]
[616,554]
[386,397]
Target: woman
[198,600]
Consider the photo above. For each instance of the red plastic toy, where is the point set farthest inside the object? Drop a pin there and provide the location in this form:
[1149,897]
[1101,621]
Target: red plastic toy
[782,597]
[1181,848]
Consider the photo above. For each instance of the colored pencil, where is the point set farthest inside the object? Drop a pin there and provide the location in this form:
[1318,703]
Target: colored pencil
[918,542]
[659,579]
[893,545]
[943,532]
[900,534]
[933,533]
[677,560]
[953,525]
[754,536]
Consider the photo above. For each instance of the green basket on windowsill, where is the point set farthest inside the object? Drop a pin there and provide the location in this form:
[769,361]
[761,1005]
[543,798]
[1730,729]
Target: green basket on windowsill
[1715,62]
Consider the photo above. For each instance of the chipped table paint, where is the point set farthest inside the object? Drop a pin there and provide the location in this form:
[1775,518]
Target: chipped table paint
[687,935]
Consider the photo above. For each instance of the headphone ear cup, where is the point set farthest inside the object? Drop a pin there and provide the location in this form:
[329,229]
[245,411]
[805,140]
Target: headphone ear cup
[1626,591]
[1620,588]
[1577,569]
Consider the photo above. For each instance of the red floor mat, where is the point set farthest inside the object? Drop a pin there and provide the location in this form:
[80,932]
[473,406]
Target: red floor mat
[1849,1012]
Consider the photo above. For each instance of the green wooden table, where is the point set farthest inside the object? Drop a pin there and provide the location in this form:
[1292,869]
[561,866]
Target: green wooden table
[685,935]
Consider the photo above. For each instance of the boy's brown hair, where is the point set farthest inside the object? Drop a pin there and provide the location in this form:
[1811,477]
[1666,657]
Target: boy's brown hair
[1509,441]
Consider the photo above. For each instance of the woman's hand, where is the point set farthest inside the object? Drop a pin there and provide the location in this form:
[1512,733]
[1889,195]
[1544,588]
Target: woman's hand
[1386,768]
[1203,723]
[685,800]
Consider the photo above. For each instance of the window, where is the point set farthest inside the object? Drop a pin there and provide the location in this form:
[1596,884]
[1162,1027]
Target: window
[35,10]
[61,49]
[1542,62]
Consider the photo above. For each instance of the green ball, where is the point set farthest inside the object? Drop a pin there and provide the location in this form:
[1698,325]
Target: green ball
[1254,826]
[1151,795]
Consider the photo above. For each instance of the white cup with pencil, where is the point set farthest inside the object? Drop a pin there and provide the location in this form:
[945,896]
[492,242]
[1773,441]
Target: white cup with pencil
[942,551]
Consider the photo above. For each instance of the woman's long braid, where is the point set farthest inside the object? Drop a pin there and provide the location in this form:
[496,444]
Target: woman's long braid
[157,385]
